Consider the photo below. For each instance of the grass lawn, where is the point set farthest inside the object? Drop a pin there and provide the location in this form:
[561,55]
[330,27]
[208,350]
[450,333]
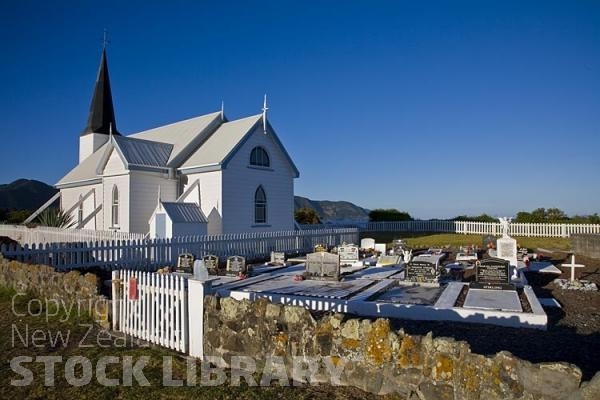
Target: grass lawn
[456,239]
[74,329]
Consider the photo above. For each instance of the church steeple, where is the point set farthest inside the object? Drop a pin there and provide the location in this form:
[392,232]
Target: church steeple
[102,113]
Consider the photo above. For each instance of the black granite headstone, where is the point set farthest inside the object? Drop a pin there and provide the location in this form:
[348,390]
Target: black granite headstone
[492,273]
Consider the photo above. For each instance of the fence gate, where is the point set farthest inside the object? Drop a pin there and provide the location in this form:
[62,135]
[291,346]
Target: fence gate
[152,307]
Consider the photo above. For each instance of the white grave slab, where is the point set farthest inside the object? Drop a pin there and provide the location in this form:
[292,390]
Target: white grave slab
[543,267]
[503,300]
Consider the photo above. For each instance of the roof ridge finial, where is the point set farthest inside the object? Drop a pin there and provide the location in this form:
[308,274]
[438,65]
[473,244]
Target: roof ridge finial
[159,196]
[222,110]
[264,114]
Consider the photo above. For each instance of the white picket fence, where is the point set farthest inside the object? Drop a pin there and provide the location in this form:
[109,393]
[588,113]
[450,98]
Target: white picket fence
[476,228]
[47,234]
[150,254]
[159,312]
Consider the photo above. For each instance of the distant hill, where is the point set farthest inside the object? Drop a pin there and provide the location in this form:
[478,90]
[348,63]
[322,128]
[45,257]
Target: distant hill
[333,210]
[25,194]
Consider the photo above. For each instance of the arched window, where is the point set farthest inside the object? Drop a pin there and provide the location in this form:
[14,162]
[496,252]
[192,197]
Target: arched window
[115,206]
[259,157]
[80,211]
[260,206]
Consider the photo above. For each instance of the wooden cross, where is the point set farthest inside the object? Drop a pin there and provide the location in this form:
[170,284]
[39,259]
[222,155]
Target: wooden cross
[572,266]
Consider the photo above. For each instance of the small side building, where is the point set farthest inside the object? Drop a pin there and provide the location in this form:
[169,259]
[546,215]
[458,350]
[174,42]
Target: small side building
[172,219]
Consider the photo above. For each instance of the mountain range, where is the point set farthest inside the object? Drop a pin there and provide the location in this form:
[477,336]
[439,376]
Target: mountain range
[26,194]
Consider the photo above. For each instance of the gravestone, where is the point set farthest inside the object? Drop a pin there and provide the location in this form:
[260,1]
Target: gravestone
[320,248]
[489,242]
[507,250]
[421,271]
[323,266]
[185,263]
[380,247]
[348,254]
[367,243]
[277,258]
[211,262]
[493,274]
[236,265]
[398,246]
[385,260]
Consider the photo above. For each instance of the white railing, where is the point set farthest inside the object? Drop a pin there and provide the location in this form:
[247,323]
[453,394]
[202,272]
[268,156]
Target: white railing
[475,228]
[158,310]
[150,254]
[47,234]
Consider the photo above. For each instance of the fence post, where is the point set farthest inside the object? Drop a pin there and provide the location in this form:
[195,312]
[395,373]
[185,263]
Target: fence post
[116,300]
[195,316]
[564,230]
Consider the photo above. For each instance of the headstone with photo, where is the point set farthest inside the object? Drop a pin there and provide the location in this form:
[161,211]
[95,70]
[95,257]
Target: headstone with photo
[211,262]
[323,266]
[493,274]
[367,243]
[422,272]
[185,263]
[348,254]
[236,265]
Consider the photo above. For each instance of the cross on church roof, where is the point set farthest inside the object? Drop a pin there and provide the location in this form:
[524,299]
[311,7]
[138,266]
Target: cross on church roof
[105,40]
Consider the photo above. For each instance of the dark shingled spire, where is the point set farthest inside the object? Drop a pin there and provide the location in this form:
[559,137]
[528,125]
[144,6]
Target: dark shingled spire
[102,113]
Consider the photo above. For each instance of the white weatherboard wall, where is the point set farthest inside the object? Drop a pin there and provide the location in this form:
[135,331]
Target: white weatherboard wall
[70,196]
[144,186]
[210,198]
[240,181]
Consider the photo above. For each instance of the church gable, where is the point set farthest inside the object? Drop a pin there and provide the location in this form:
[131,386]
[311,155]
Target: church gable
[114,164]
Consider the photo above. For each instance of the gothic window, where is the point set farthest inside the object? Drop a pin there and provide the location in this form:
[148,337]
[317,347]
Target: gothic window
[115,206]
[260,206]
[259,157]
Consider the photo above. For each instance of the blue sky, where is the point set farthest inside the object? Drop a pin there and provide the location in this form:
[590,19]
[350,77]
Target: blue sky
[438,108]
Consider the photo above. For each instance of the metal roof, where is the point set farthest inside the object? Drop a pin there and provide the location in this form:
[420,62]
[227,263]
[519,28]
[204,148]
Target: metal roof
[179,134]
[184,212]
[218,146]
[143,152]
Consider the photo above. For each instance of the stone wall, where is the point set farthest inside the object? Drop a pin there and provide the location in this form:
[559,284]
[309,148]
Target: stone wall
[70,288]
[586,245]
[378,358]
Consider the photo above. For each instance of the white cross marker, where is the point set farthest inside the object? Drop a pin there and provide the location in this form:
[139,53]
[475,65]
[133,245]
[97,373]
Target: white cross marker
[573,266]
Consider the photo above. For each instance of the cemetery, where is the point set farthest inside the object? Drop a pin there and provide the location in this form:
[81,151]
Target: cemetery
[488,290]
[488,285]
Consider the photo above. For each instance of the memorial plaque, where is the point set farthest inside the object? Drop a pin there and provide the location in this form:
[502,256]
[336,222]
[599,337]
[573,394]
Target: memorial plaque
[348,254]
[492,273]
[323,266]
[236,265]
[320,248]
[277,258]
[421,271]
[185,263]
[388,260]
[212,264]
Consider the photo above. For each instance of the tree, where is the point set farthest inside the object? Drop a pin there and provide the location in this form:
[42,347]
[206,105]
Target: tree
[478,218]
[17,216]
[306,216]
[390,214]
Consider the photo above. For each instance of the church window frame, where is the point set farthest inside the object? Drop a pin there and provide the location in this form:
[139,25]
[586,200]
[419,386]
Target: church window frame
[259,157]
[260,205]
[115,206]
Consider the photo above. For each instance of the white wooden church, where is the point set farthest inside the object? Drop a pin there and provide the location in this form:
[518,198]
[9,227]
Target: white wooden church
[201,175]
